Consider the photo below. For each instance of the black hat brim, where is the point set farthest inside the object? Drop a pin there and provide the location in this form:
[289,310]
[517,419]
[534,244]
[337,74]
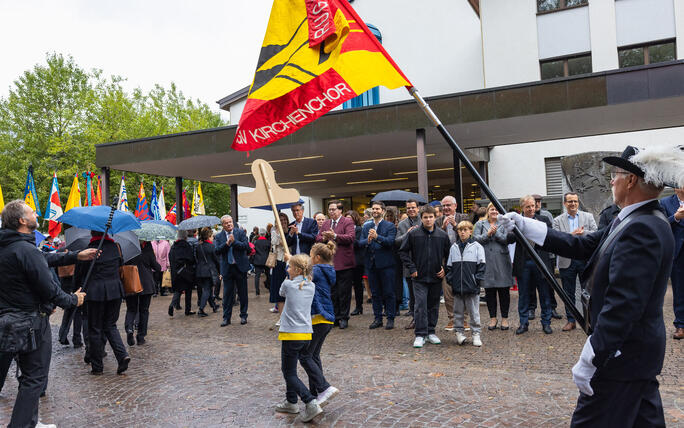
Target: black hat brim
[624,164]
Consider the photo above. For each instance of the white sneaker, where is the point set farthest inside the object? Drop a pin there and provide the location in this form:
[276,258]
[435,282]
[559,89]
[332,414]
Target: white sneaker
[325,396]
[278,323]
[287,407]
[441,300]
[419,342]
[311,410]
[476,340]
[460,338]
[432,338]
[274,310]
[42,425]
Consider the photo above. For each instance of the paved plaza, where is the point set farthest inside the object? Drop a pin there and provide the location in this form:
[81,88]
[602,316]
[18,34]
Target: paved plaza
[193,373]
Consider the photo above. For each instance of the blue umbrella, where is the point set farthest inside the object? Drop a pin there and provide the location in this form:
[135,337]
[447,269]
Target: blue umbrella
[436,203]
[398,196]
[279,206]
[39,237]
[95,218]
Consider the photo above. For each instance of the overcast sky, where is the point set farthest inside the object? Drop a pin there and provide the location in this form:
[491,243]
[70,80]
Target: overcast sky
[209,48]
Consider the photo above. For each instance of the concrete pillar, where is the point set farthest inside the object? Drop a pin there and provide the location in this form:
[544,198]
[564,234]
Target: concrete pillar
[234,202]
[179,200]
[105,178]
[422,163]
[458,182]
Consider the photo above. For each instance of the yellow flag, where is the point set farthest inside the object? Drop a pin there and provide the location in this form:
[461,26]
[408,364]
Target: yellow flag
[2,200]
[74,196]
[197,201]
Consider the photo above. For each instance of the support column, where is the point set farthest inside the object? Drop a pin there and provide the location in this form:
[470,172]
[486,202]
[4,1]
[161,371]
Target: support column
[422,163]
[234,202]
[105,177]
[179,200]
[458,183]
[482,169]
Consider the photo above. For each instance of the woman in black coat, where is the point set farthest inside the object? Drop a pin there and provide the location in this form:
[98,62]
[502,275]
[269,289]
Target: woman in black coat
[138,305]
[104,292]
[182,265]
[262,246]
[207,270]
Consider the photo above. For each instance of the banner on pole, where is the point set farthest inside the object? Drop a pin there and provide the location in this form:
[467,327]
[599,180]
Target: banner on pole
[123,196]
[74,195]
[54,209]
[30,195]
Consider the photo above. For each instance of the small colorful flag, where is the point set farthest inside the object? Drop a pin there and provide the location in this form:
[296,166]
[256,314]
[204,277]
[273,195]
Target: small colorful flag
[74,195]
[161,204]
[123,196]
[142,210]
[54,209]
[186,207]
[171,216]
[97,200]
[197,201]
[30,195]
[154,208]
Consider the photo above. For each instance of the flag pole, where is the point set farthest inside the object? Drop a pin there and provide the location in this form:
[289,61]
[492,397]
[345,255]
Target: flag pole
[497,204]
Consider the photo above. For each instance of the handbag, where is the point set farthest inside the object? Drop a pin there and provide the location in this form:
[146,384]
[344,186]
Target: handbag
[130,277]
[166,279]
[18,332]
[66,271]
[271,260]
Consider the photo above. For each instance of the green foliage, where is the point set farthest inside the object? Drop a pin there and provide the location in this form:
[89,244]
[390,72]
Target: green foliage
[56,113]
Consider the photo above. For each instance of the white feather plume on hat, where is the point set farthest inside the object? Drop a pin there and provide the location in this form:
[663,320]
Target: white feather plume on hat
[662,165]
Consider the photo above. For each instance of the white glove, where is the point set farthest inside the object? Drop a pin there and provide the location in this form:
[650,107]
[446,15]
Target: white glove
[584,370]
[534,230]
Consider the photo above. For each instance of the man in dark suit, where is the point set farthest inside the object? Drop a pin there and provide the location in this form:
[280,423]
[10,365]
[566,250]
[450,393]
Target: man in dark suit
[341,230]
[377,237]
[302,232]
[626,276]
[674,208]
[232,246]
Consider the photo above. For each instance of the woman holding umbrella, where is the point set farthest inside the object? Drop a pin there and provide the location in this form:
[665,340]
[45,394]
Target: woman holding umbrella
[138,305]
[182,264]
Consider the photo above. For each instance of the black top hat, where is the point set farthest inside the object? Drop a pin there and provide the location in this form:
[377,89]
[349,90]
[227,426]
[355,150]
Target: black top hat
[624,162]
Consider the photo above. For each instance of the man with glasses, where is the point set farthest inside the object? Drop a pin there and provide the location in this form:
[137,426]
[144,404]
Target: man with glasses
[301,232]
[577,223]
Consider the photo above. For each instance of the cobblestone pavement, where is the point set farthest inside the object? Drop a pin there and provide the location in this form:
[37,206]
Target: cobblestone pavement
[193,373]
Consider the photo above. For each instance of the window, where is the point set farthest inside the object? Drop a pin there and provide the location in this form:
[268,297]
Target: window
[647,54]
[564,67]
[551,5]
[371,96]
[554,176]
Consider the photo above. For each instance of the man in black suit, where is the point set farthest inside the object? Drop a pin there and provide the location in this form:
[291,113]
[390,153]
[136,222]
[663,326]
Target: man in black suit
[626,276]
[232,246]
[301,232]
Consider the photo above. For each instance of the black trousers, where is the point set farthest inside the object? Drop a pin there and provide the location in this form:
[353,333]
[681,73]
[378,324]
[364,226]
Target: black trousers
[310,359]
[206,285]
[358,286]
[535,288]
[175,300]
[5,362]
[34,367]
[289,356]
[138,306]
[158,276]
[426,311]
[412,296]
[341,293]
[71,315]
[620,404]
[102,318]
[232,280]
[398,285]
[504,294]
[258,270]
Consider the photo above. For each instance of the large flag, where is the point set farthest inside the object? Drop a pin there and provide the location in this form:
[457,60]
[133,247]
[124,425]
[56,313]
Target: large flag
[30,195]
[161,204]
[154,208]
[74,195]
[171,216]
[186,207]
[142,210]
[197,201]
[123,196]
[2,200]
[97,199]
[315,56]
[54,209]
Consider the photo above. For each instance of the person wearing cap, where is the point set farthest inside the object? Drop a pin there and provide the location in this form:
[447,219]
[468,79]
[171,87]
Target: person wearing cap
[626,276]
[674,209]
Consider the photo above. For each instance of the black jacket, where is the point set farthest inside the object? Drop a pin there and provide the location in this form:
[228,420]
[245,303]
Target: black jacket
[182,265]
[629,285]
[206,257]
[262,247]
[359,251]
[104,283]
[27,282]
[146,263]
[521,256]
[425,252]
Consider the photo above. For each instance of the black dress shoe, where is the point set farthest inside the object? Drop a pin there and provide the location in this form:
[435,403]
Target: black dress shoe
[178,307]
[357,311]
[522,329]
[123,365]
[530,315]
[336,323]
[140,340]
[64,342]
[190,313]
[243,321]
[369,300]
[375,324]
[129,339]
[78,345]
[96,372]
[215,308]
[344,324]
[408,314]
[86,358]
[225,323]
[170,310]
[389,325]
[201,313]
[547,329]
[556,315]
[217,298]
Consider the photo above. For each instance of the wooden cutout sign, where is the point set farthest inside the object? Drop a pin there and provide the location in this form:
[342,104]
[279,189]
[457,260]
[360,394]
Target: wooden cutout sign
[267,192]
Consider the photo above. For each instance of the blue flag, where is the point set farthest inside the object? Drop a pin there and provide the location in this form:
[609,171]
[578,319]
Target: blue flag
[30,195]
[154,204]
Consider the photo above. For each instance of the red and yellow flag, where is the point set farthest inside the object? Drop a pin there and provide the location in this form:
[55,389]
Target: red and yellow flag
[316,55]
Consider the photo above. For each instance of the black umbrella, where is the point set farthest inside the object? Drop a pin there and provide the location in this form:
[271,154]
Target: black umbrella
[398,197]
[77,239]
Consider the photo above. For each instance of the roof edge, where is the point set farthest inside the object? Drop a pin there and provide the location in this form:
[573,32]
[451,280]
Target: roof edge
[229,99]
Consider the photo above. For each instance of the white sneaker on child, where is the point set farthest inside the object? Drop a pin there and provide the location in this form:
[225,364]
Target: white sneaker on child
[419,342]
[476,340]
[432,338]
[325,396]
[460,338]
[287,407]
[311,410]
[42,425]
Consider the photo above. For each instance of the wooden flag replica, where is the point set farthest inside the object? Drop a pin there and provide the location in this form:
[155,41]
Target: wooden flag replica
[315,56]
[267,192]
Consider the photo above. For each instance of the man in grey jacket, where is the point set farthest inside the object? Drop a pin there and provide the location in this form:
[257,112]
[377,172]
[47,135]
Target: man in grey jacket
[574,222]
[405,226]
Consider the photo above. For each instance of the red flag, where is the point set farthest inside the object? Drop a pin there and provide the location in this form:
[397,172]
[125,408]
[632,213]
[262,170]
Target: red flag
[171,216]
[97,199]
[186,207]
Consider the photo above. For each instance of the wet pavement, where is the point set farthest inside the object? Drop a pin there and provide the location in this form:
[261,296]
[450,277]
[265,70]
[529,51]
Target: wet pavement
[191,373]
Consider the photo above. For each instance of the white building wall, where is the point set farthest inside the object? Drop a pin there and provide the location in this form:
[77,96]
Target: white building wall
[518,169]
[509,40]
[642,21]
[679,27]
[603,36]
[563,33]
[250,217]
[236,111]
